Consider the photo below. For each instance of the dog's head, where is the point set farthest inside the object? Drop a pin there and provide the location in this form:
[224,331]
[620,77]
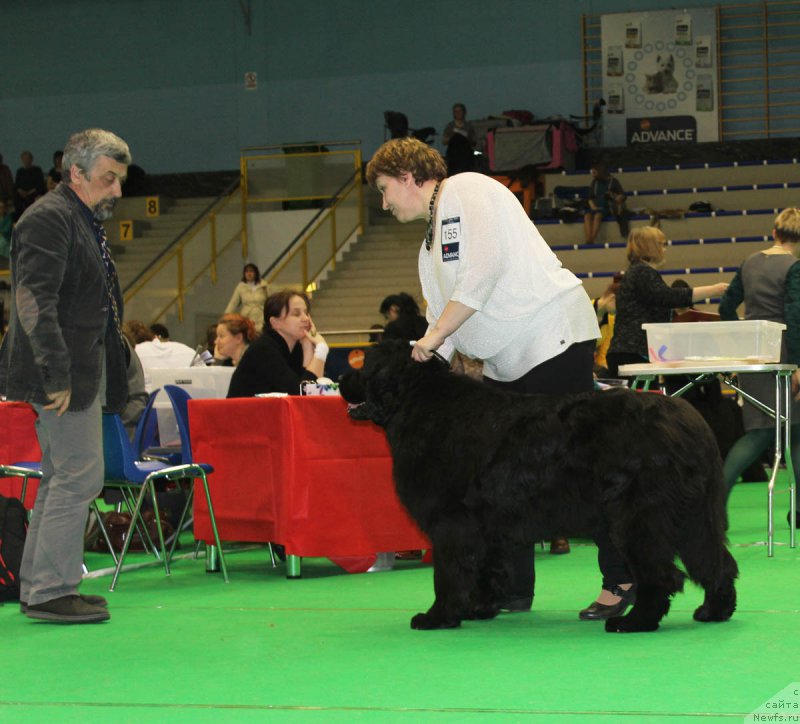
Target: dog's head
[666,63]
[376,391]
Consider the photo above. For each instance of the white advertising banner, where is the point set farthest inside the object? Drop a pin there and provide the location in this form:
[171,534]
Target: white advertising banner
[660,77]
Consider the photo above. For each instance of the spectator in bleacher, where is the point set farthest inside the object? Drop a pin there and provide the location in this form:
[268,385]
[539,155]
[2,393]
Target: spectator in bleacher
[768,282]
[7,192]
[644,297]
[54,174]
[249,296]
[289,351]
[606,197]
[403,317]
[28,183]
[459,137]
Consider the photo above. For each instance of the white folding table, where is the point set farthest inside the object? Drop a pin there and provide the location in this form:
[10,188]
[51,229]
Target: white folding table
[645,374]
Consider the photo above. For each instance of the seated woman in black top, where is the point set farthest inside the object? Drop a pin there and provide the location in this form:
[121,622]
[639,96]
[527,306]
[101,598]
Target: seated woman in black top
[289,351]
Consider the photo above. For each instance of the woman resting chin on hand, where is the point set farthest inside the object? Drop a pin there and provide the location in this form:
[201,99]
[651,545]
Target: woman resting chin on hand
[290,350]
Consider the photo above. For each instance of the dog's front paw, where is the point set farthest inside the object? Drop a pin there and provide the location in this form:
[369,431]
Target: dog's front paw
[707,613]
[629,624]
[429,622]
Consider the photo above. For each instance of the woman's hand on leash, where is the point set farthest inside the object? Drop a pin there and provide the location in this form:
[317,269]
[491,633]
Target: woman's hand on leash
[419,353]
[423,348]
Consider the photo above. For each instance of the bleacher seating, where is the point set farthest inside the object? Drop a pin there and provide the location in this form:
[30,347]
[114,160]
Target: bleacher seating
[704,247]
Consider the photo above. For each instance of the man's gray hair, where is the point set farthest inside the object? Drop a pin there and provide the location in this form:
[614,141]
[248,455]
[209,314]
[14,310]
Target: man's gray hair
[85,147]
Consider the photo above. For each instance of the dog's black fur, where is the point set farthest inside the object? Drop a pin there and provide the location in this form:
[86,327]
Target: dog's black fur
[482,472]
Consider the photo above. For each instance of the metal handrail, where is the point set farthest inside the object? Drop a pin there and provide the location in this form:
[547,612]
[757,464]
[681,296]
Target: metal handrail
[176,250]
[208,219]
[224,198]
[299,241]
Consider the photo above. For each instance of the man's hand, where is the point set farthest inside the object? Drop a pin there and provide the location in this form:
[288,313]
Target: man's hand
[59,401]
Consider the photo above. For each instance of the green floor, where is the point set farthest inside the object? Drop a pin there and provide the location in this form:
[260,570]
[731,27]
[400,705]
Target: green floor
[334,647]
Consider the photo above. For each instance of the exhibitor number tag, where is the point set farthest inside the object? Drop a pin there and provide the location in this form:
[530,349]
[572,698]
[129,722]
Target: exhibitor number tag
[451,238]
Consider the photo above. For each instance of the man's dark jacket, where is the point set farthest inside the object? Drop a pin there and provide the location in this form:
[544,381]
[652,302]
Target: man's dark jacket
[59,328]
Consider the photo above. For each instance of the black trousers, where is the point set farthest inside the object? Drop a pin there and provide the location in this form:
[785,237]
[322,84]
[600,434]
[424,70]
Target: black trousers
[615,360]
[569,372]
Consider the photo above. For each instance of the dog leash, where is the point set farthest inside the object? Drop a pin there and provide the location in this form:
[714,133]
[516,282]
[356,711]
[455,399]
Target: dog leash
[434,353]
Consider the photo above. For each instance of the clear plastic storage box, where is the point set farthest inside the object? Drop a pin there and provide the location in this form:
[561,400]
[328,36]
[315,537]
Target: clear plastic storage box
[746,341]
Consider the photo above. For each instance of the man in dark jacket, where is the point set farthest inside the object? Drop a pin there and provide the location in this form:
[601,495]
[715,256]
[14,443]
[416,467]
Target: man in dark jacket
[64,354]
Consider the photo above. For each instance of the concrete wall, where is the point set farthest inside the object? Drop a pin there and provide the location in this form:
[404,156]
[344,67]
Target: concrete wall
[169,77]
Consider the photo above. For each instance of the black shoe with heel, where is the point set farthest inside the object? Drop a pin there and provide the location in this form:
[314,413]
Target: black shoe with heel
[601,611]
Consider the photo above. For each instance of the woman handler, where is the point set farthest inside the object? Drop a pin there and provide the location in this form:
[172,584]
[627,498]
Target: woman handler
[496,292]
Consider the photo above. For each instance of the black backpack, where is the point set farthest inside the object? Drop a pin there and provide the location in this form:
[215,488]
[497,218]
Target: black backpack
[13,527]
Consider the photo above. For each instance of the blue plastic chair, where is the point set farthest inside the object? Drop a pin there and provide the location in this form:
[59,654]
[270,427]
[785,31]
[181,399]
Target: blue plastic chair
[123,469]
[145,439]
[179,398]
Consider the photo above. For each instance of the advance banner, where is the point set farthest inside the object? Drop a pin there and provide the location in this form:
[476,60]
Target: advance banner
[660,77]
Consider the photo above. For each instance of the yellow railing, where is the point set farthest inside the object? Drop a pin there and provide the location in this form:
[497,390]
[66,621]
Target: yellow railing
[306,176]
[272,177]
[315,250]
[162,288]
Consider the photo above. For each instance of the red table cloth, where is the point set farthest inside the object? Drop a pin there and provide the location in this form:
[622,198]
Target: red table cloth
[298,471]
[18,443]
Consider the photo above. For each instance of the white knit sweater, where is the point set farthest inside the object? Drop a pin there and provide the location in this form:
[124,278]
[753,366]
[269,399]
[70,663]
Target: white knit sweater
[488,255]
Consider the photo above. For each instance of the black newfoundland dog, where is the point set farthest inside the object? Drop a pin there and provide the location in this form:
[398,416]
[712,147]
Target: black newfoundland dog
[482,472]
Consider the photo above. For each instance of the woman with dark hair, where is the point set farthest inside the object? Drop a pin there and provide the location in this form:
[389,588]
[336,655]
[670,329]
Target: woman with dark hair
[404,319]
[288,352]
[249,296]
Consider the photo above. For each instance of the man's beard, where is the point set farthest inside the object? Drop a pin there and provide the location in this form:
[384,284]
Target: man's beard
[104,209]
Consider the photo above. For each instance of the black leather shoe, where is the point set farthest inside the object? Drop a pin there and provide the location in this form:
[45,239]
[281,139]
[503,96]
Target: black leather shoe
[67,609]
[91,600]
[601,611]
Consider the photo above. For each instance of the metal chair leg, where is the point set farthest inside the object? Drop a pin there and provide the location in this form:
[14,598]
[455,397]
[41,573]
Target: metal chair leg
[102,526]
[181,522]
[136,516]
[214,524]
[159,528]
